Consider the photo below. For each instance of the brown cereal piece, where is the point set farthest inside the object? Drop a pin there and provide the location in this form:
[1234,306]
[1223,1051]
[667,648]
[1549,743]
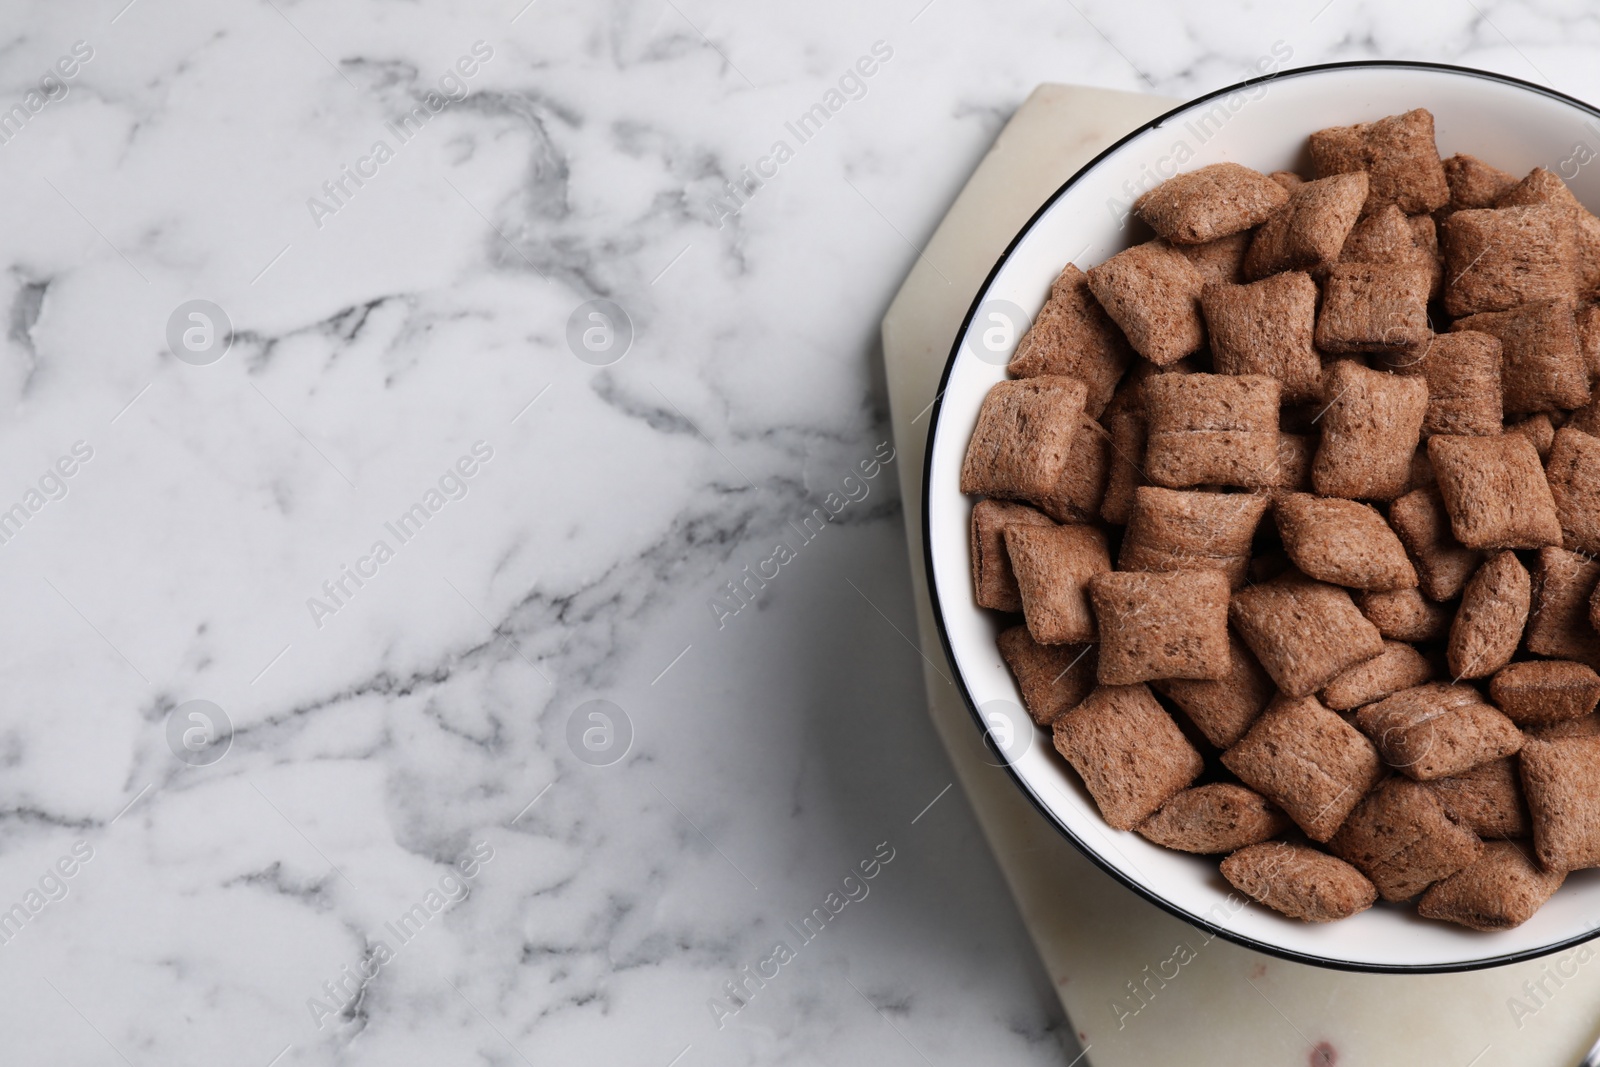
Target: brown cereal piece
[1398,154]
[1073,336]
[1501,258]
[1399,667]
[1172,625]
[1561,780]
[1080,494]
[1053,679]
[1588,726]
[1423,525]
[1486,800]
[1573,471]
[1462,370]
[1474,183]
[1404,615]
[1402,839]
[1128,751]
[1342,542]
[1494,612]
[1588,321]
[992,577]
[1495,491]
[1214,201]
[1545,691]
[1223,709]
[1308,761]
[1053,565]
[1543,187]
[1295,453]
[1498,891]
[1388,238]
[1215,818]
[1287,178]
[1437,730]
[1125,433]
[1300,882]
[1370,307]
[1172,530]
[1370,431]
[1152,291]
[1023,440]
[1211,429]
[1310,230]
[1303,632]
[1559,624]
[1540,365]
[1266,328]
[1220,261]
[1538,429]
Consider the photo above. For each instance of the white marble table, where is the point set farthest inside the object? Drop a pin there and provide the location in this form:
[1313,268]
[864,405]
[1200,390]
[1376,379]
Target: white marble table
[394,835]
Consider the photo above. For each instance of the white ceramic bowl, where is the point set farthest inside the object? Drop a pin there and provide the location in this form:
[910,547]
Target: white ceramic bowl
[1262,124]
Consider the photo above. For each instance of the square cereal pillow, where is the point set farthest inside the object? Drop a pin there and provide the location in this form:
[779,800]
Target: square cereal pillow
[1403,839]
[993,580]
[1342,542]
[1573,471]
[1161,625]
[1023,440]
[1053,565]
[1310,230]
[1423,525]
[1437,730]
[1266,328]
[1499,890]
[1541,366]
[1300,882]
[1370,430]
[1398,154]
[1389,238]
[1562,782]
[1219,817]
[1501,258]
[1175,530]
[1474,183]
[1214,201]
[1495,491]
[1462,369]
[1304,633]
[1130,754]
[1152,291]
[1211,429]
[1053,679]
[1308,761]
[1400,666]
[1371,307]
[1494,611]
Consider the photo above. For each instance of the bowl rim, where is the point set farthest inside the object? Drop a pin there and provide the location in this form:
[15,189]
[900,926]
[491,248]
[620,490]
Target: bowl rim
[1149,894]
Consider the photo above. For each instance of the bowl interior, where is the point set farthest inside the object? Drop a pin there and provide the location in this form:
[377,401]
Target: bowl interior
[1507,123]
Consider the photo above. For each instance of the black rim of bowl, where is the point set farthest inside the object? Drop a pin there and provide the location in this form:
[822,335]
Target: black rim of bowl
[1146,892]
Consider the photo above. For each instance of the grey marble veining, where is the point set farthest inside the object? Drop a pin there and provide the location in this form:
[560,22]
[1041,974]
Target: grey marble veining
[406,839]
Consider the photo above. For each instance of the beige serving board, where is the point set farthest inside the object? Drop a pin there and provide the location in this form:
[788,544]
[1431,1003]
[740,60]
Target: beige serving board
[1140,986]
